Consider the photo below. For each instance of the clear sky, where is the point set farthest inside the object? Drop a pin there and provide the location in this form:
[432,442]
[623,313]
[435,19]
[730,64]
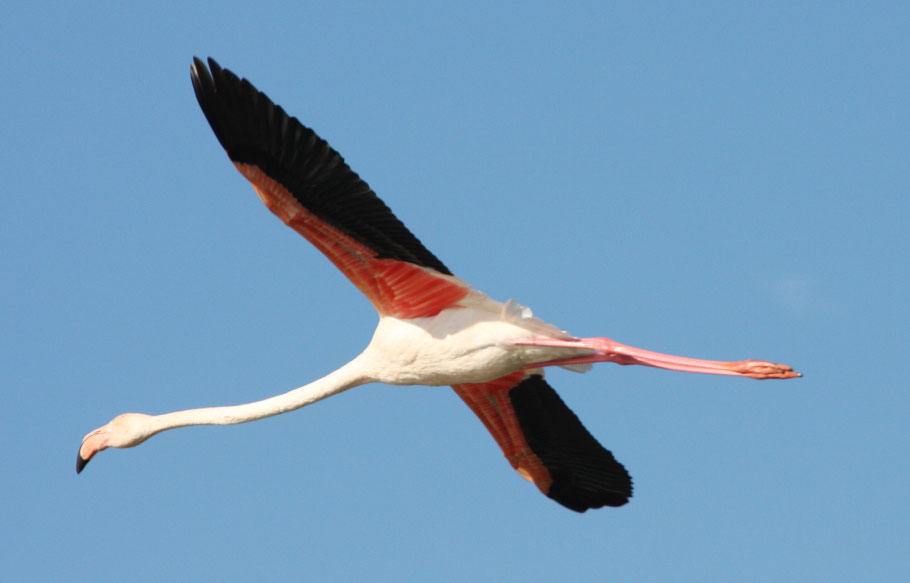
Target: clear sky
[722,182]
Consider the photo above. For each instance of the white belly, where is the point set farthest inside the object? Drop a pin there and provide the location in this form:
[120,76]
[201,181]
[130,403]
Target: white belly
[459,345]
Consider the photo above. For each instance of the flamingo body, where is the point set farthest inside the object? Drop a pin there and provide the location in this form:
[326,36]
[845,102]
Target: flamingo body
[461,344]
[434,329]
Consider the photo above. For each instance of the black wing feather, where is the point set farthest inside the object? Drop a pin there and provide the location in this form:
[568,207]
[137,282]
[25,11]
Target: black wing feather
[584,474]
[255,131]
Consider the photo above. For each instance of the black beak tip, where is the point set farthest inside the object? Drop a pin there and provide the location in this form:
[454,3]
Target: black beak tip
[80,463]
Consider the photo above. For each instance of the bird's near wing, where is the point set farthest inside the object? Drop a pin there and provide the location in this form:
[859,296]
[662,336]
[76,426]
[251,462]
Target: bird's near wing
[546,443]
[308,185]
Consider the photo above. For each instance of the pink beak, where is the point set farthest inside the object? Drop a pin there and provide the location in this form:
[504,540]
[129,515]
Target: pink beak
[92,444]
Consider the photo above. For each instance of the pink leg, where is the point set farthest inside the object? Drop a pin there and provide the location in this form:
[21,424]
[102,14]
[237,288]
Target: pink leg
[607,350]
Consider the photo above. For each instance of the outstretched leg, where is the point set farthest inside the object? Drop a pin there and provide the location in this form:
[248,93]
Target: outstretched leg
[606,350]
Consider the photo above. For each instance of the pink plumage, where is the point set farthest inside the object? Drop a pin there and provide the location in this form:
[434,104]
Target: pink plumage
[434,329]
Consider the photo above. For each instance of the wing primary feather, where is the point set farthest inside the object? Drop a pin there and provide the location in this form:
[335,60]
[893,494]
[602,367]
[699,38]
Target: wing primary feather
[256,132]
[584,474]
[546,443]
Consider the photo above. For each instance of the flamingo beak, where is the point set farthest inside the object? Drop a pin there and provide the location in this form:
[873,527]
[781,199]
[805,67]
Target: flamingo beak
[92,444]
[80,462]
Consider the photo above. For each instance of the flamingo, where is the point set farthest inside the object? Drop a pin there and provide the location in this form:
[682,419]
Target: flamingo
[434,329]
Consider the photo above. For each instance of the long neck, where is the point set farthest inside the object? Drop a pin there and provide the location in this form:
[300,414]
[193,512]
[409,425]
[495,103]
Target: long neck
[350,375]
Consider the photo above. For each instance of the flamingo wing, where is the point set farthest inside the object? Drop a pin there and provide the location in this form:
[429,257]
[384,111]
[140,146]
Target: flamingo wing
[546,443]
[308,185]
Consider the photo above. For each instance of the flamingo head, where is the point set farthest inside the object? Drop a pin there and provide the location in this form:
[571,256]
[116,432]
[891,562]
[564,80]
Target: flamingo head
[126,430]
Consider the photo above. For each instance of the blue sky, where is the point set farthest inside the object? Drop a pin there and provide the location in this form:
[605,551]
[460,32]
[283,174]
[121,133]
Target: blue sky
[727,181]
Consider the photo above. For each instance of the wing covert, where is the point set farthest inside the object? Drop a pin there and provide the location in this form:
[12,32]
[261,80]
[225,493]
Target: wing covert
[546,443]
[308,185]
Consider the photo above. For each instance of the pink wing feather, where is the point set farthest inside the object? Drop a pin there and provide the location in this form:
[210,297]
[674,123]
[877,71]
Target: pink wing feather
[308,185]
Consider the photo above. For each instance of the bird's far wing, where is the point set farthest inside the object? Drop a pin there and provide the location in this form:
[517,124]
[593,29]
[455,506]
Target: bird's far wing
[546,443]
[308,185]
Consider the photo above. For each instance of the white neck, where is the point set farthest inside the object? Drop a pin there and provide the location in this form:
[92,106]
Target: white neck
[348,376]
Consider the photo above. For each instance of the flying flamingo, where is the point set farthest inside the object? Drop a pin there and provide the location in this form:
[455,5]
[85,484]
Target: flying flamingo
[434,329]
